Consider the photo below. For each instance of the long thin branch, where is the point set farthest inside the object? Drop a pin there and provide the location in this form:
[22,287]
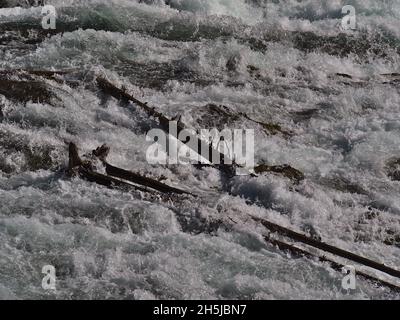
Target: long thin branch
[273,227]
[334,265]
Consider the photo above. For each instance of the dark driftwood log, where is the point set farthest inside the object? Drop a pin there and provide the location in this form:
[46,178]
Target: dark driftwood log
[144,181]
[120,94]
[326,247]
[106,181]
[334,265]
[85,170]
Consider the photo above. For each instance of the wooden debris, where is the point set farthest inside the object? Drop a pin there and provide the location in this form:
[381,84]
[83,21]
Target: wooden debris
[326,247]
[102,153]
[141,180]
[120,94]
[334,265]
[85,169]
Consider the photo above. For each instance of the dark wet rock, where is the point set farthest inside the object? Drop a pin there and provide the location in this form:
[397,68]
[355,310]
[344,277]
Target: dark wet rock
[116,222]
[256,44]
[311,232]
[274,129]
[186,30]
[38,158]
[220,116]
[34,157]
[252,69]
[197,225]
[392,169]
[156,75]
[233,63]
[22,87]
[372,225]
[21,3]
[255,73]
[393,238]
[216,116]
[64,265]
[305,115]
[369,215]
[24,91]
[269,127]
[1,112]
[343,44]
[343,185]
[348,79]
[344,75]
[136,223]
[284,170]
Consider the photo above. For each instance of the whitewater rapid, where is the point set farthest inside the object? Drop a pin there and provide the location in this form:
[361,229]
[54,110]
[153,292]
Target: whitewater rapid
[276,61]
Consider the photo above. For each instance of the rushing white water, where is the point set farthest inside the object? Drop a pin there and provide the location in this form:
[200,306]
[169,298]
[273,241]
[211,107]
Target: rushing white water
[273,60]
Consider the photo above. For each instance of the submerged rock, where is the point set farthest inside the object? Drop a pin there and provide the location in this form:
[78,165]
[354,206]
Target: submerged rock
[214,116]
[220,116]
[343,185]
[305,115]
[21,3]
[392,169]
[372,226]
[22,87]
[31,157]
[284,170]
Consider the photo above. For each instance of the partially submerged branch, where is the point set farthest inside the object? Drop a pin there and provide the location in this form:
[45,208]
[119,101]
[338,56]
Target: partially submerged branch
[115,176]
[283,246]
[120,94]
[326,247]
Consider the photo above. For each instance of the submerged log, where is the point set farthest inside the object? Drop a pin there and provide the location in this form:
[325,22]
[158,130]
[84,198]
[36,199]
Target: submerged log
[141,180]
[120,94]
[326,247]
[333,264]
[86,170]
